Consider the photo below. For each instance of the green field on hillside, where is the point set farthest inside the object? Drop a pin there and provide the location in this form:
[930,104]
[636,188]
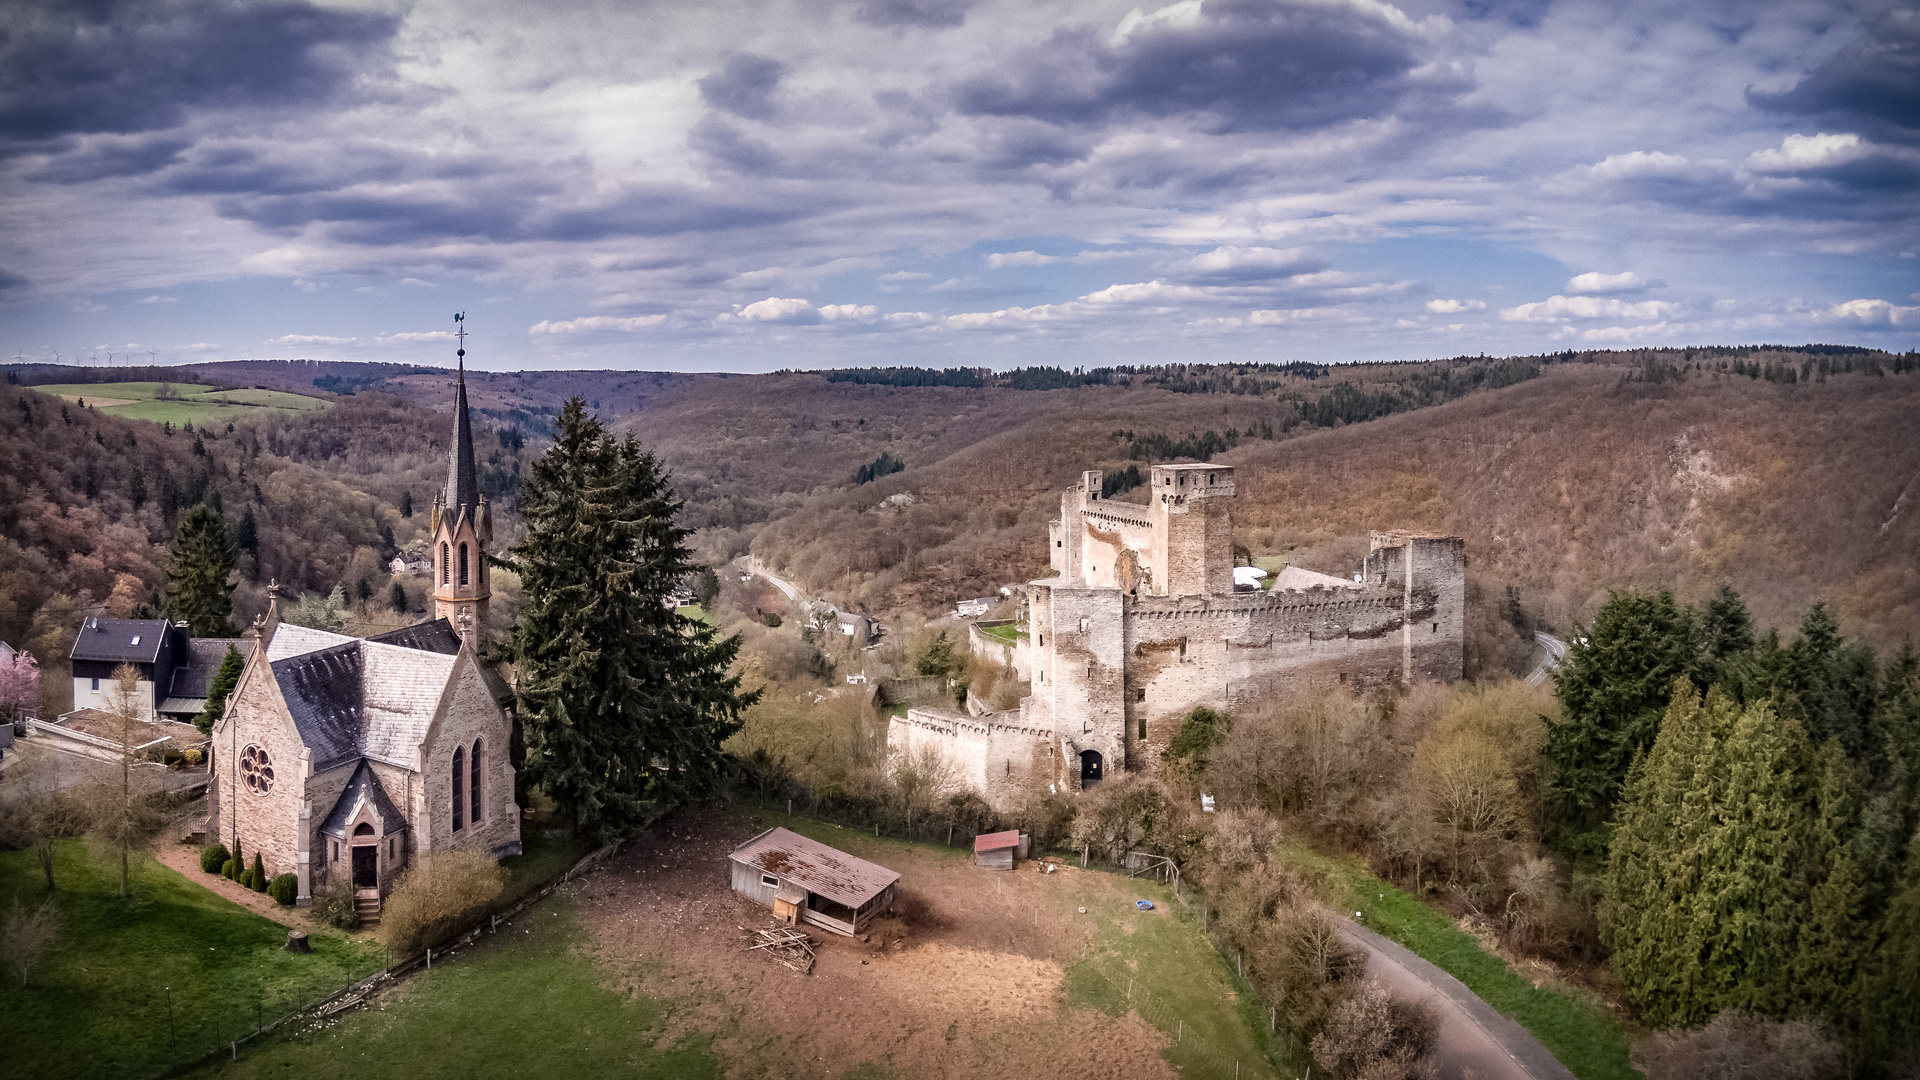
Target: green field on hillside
[179,403]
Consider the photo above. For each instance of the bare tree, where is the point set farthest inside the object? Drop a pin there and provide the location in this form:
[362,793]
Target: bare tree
[25,933]
[920,780]
[121,810]
[34,812]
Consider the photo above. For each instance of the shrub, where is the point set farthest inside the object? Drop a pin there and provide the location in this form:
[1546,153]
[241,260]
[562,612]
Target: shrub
[227,869]
[335,906]
[1371,1035]
[437,896]
[193,756]
[238,865]
[1738,1045]
[284,889]
[213,857]
[258,875]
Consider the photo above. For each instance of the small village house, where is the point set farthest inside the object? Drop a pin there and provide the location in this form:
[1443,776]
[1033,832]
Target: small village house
[804,880]
[175,667]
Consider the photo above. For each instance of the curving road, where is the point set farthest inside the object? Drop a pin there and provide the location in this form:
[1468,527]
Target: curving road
[1471,1040]
[1556,652]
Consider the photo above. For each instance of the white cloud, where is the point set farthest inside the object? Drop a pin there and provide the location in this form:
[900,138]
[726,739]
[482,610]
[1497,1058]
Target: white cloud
[1248,260]
[1454,307]
[596,322]
[1624,334]
[308,339]
[1640,163]
[1561,308]
[831,312]
[418,335]
[1020,258]
[161,300]
[1873,312]
[1798,153]
[904,275]
[1596,282]
[416,283]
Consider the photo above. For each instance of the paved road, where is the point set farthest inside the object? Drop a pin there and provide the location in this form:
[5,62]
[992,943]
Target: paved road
[752,565]
[1556,652]
[1471,1041]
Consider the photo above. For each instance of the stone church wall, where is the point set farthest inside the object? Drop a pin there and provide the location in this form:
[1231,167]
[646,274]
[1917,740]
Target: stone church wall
[266,824]
[471,714]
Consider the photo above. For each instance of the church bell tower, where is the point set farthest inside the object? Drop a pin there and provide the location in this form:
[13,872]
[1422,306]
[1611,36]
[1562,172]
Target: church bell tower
[462,525]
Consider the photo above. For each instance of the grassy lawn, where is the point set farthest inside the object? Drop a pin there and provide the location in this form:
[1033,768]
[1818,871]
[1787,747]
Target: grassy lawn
[695,611]
[1180,985]
[1008,634]
[525,1003]
[97,1004]
[194,402]
[1578,1030]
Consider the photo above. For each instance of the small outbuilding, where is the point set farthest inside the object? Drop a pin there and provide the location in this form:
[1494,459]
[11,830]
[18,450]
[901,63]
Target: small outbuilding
[804,880]
[996,851]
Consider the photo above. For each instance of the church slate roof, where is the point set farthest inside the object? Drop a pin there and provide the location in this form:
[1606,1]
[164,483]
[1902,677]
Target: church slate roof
[364,785]
[361,698]
[290,640]
[436,636]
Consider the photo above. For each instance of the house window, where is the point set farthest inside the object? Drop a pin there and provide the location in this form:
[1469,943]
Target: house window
[459,789]
[96,685]
[463,564]
[769,881]
[473,784]
[446,565]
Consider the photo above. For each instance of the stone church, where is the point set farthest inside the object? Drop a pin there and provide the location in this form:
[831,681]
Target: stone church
[1143,619]
[343,758]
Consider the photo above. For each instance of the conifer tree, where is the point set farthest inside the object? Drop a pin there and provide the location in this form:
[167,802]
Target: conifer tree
[1613,686]
[222,684]
[1890,992]
[247,538]
[1726,632]
[1829,949]
[197,585]
[625,701]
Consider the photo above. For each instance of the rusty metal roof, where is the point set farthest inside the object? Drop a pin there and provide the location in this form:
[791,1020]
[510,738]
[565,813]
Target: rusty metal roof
[815,867]
[995,841]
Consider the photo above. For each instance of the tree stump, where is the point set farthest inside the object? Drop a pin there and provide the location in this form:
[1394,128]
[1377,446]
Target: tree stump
[297,941]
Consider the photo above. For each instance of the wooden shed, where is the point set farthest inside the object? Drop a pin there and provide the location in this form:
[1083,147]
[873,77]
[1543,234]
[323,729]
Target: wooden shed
[996,851]
[804,880]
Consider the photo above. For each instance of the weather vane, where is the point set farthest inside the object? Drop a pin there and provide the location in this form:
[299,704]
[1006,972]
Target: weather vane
[459,319]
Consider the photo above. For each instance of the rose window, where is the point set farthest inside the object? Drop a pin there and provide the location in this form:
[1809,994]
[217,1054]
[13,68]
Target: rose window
[256,770]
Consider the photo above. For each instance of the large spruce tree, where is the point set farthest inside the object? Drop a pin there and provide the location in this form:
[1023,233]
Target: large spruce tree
[625,702]
[198,589]
[1614,685]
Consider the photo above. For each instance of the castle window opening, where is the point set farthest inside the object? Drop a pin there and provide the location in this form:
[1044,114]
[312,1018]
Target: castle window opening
[1085,624]
[459,788]
[1141,732]
[1436,628]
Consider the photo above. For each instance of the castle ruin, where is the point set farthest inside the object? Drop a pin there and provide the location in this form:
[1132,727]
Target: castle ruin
[1142,621]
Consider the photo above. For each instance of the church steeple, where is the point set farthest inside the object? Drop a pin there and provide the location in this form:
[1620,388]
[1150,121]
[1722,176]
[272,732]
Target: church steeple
[463,485]
[462,525]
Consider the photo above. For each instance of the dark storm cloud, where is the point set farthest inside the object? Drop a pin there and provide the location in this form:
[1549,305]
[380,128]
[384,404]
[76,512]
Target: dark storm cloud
[141,65]
[928,13]
[745,86]
[10,280]
[1873,84]
[107,156]
[1251,65]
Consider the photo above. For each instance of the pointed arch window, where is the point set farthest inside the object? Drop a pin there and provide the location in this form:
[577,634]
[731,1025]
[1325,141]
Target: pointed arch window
[459,788]
[473,781]
[446,564]
[463,564]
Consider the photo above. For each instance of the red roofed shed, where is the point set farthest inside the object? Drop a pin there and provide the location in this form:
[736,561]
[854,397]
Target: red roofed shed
[995,851]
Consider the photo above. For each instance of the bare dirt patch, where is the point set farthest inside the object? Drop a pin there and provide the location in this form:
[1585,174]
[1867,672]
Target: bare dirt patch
[959,982]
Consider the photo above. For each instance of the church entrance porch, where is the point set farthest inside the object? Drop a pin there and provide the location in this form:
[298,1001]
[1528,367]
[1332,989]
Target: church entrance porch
[366,874]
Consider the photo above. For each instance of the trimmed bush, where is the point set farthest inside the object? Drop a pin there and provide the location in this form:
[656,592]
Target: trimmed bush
[227,869]
[213,857]
[259,875]
[334,906]
[440,895]
[285,889]
[239,863]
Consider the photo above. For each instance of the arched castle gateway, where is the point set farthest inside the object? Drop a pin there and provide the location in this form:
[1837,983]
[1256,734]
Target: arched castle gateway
[1143,621]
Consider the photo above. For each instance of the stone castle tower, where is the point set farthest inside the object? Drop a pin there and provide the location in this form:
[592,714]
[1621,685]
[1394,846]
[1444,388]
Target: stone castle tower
[462,525]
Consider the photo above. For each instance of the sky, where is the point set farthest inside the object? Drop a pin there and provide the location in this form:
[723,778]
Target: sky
[730,185]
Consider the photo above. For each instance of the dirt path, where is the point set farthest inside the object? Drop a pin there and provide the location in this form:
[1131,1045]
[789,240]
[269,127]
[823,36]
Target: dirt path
[1472,1042]
[940,990]
[185,858]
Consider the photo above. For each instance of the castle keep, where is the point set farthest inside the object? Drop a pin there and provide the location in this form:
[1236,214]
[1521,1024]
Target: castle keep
[1142,621]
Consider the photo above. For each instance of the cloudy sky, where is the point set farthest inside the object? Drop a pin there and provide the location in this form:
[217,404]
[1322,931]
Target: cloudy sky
[738,185]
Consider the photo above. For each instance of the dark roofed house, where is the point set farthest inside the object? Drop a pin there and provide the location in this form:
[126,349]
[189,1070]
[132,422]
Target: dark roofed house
[804,880]
[153,646]
[187,692]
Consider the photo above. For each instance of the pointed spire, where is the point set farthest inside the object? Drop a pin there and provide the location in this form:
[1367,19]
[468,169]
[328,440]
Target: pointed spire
[463,485]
